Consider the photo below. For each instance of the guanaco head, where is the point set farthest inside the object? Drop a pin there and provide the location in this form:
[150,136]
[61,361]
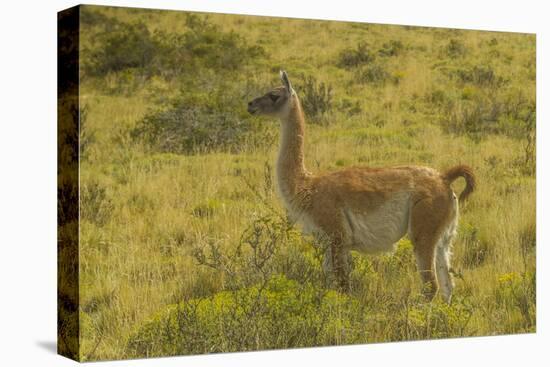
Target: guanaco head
[275,102]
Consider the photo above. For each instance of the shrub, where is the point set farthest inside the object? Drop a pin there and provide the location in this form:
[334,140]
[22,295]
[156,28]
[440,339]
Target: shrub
[438,319]
[352,58]
[517,291]
[122,46]
[253,261]
[127,46]
[480,75]
[196,125]
[205,45]
[512,115]
[473,118]
[316,98]
[280,314]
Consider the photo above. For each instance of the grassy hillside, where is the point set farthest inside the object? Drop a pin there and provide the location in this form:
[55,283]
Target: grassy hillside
[184,244]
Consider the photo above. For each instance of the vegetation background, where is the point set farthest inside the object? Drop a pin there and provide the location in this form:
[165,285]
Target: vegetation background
[184,245]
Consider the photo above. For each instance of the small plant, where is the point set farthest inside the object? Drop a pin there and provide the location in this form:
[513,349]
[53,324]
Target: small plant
[96,204]
[354,57]
[350,107]
[87,136]
[528,131]
[397,76]
[455,48]
[206,210]
[375,74]
[437,97]
[528,239]
[392,48]
[477,249]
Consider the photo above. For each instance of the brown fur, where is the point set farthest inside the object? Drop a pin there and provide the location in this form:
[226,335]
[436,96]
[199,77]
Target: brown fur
[465,172]
[330,202]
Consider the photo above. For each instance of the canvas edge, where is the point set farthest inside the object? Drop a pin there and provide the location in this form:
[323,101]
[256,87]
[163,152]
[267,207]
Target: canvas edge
[68,186]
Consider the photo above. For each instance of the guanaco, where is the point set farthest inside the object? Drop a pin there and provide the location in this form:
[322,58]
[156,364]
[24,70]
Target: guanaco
[362,208]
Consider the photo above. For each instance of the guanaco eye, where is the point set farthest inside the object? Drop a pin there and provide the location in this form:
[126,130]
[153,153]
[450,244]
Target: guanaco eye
[273,97]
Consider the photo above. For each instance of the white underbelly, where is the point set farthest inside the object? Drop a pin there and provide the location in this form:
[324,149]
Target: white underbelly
[379,230]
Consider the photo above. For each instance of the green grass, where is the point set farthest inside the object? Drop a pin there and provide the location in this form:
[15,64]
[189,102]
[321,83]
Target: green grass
[147,210]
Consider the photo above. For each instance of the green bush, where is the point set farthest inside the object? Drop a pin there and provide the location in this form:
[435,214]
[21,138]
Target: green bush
[281,314]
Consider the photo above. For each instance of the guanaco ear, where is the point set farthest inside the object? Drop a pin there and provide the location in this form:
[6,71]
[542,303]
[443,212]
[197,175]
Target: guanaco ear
[286,82]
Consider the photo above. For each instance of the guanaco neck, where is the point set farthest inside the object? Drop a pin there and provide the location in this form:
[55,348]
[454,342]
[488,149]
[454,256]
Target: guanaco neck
[291,171]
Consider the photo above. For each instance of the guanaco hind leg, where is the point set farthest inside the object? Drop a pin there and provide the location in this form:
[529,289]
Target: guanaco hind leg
[431,228]
[443,255]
